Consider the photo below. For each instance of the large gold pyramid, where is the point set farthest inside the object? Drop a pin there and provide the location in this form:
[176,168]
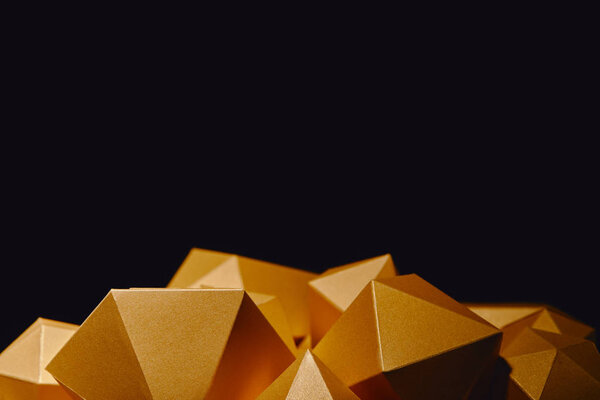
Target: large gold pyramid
[22,364]
[512,319]
[307,378]
[205,268]
[550,366]
[182,344]
[402,338]
[332,292]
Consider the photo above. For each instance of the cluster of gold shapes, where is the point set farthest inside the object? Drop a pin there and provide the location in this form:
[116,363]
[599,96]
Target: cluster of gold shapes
[232,327]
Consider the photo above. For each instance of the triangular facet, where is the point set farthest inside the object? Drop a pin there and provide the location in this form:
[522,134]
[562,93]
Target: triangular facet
[288,284]
[271,308]
[405,320]
[353,341]
[586,355]
[225,275]
[168,330]
[342,287]
[449,375]
[545,322]
[254,356]
[197,264]
[571,327]
[567,380]
[54,336]
[21,359]
[503,315]
[528,341]
[416,286]
[530,371]
[307,378]
[100,351]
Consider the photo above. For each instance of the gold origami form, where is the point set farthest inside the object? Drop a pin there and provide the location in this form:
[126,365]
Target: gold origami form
[172,344]
[23,363]
[512,319]
[402,338]
[549,366]
[273,311]
[332,292]
[205,268]
[307,378]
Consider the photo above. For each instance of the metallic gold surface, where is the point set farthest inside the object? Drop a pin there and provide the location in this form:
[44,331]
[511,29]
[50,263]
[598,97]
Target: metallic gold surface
[22,364]
[550,366]
[172,344]
[331,293]
[307,378]
[512,319]
[409,335]
[204,268]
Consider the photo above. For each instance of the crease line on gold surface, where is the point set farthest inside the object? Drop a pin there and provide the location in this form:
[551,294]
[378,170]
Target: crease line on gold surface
[579,365]
[380,355]
[131,345]
[549,373]
[449,350]
[40,368]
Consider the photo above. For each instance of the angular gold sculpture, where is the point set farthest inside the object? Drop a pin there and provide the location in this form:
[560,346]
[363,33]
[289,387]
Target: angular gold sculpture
[172,344]
[550,366]
[331,293]
[214,269]
[307,379]
[402,338]
[514,318]
[273,311]
[22,364]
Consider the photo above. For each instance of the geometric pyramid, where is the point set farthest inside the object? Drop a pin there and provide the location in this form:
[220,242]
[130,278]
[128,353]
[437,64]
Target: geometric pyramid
[273,311]
[307,378]
[402,338]
[332,292]
[550,366]
[512,319]
[22,364]
[205,268]
[172,344]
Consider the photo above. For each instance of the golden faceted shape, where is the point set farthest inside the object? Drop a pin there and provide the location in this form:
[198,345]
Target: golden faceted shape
[172,344]
[550,366]
[332,292]
[402,338]
[203,268]
[272,309]
[512,319]
[307,379]
[22,364]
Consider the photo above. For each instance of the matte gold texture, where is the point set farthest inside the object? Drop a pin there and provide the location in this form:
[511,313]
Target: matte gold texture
[402,338]
[512,319]
[550,366]
[307,378]
[22,364]
[331,293]
[172,344]
[205,268]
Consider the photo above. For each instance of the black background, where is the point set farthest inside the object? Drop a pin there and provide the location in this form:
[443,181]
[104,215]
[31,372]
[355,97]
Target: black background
[470,166]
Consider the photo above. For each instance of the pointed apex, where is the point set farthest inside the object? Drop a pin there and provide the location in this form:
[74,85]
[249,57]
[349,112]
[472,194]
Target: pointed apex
[197,264]
[308,378]
[414,285]
[226,275]
[545,322]
[502,315]
[26,358]
[341,285]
